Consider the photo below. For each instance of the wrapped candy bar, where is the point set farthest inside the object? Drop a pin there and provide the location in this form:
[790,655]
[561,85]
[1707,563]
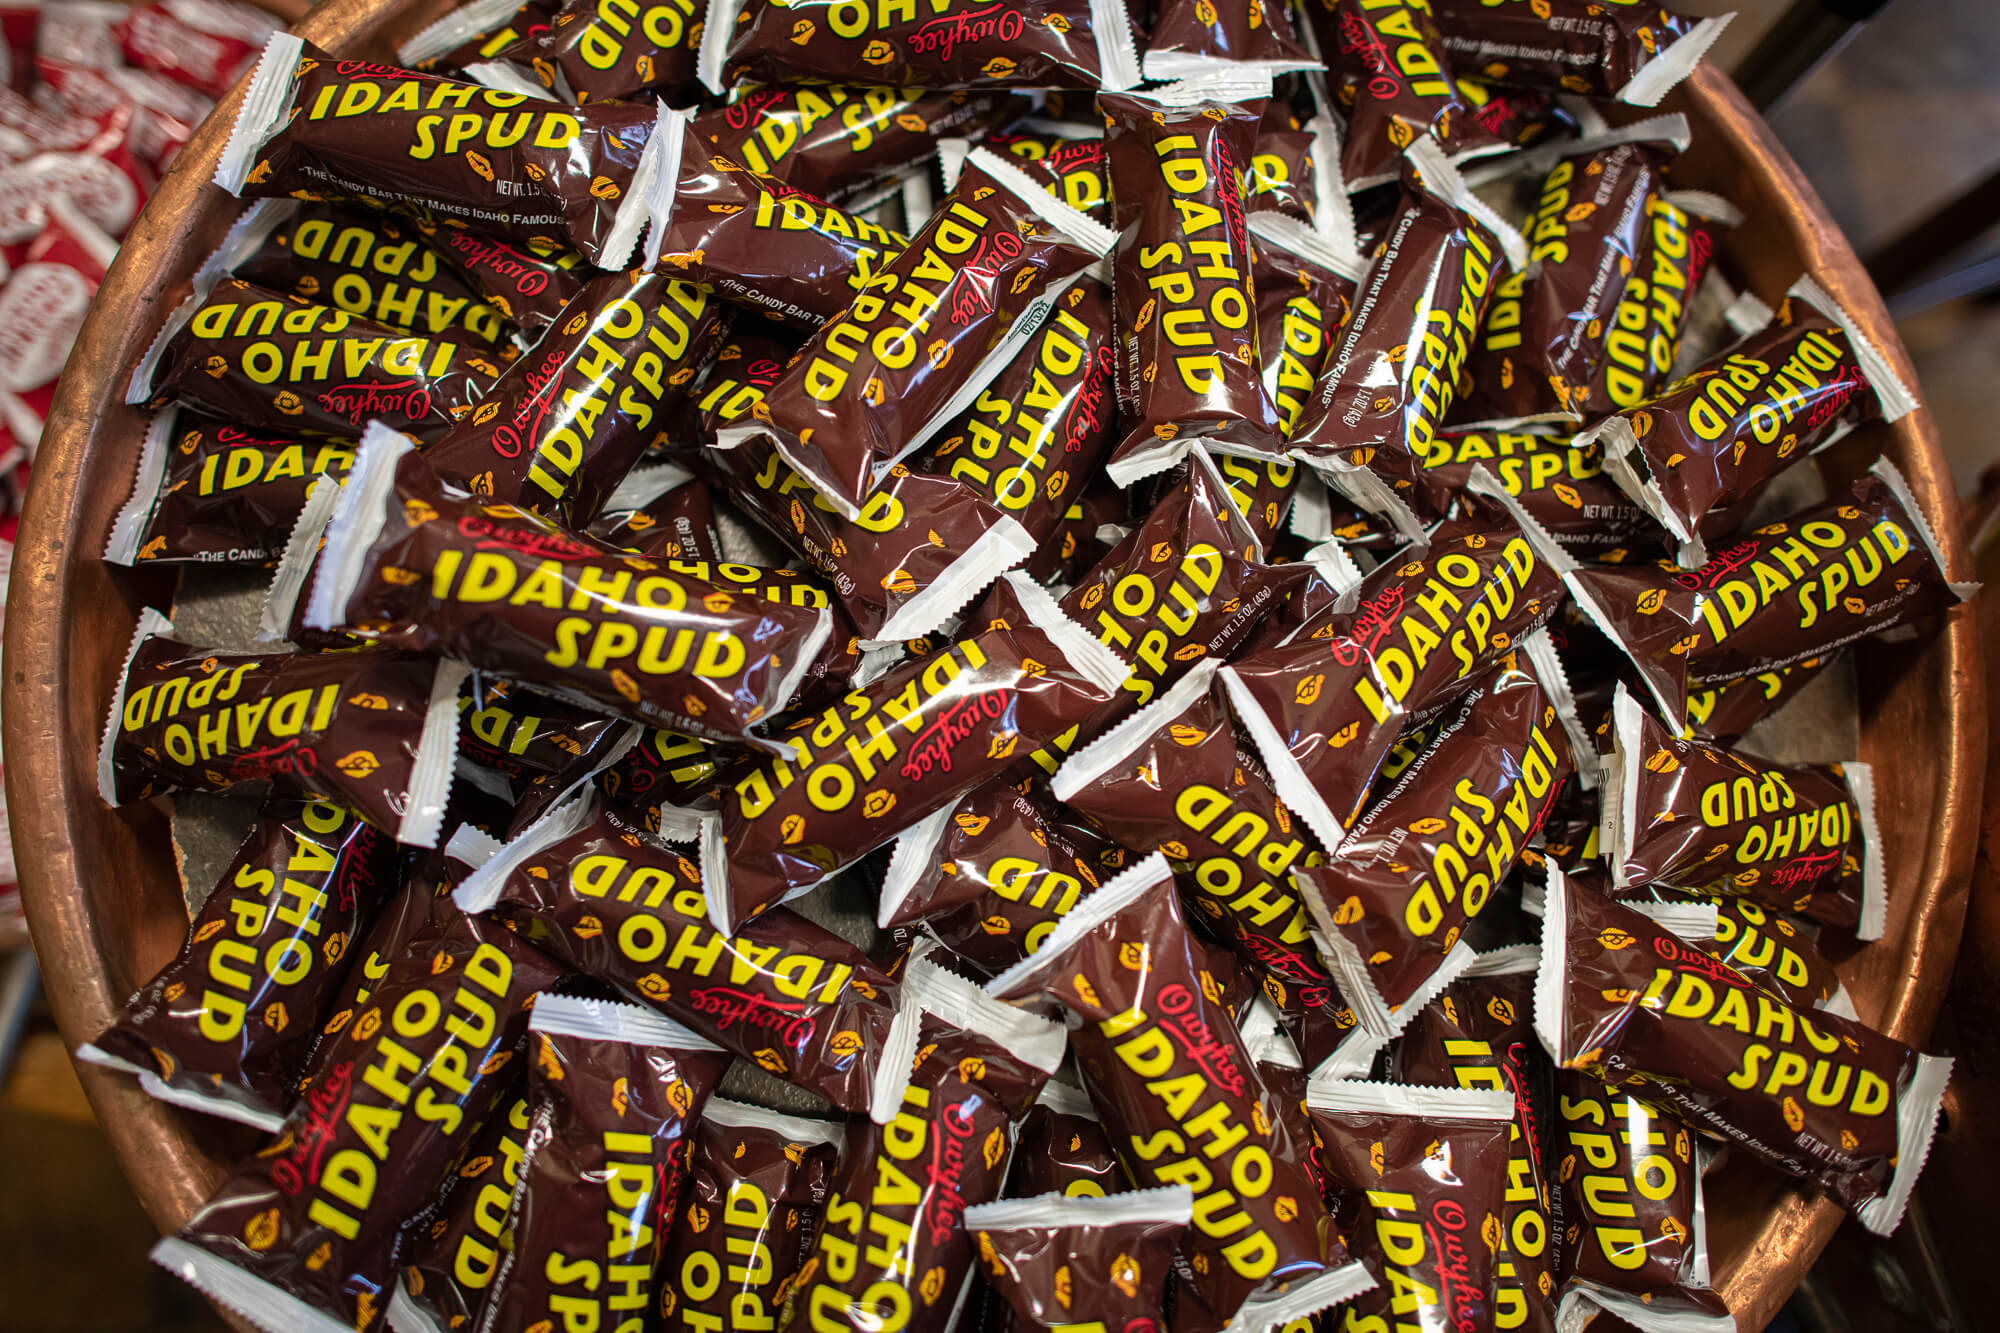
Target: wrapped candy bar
[374,732]
[511,593]
[588,178]
[1478,1034]
[980,1065]
[908,745]
[615,1093]
[305,1233]
[1634,1243]
[1187,307]
[757,1183]
[593,53]
[946,316]
[840,142]
[1790,592]
[564,424]
[1712,439]
[1392,375]
[1682,814]
[207,492]
[1053,1255]
[662,512]
[1430,1165]
[376,267]
[1083,44]
[227,1026]
[1168,1071]
[451,1266]
[1325,707]
[1634,53]
[1398,894]
[1814,1094]
[274,363]
[593,889]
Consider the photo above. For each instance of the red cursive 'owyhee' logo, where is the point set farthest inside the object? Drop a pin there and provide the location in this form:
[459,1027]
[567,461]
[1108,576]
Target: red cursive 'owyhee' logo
[314,1125]
[1720,566]
[1372,622]
[1089,410]
[355,403]
[1180,1018]
[934,749]
[788,1021]
[1688,959]
[1462,1298]
[487,535]
[287,757]
[944,1201]
[941,36]
[748,110]
[1801,871]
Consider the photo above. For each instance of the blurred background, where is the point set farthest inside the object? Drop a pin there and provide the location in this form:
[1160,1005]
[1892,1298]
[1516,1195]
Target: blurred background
[1900,132]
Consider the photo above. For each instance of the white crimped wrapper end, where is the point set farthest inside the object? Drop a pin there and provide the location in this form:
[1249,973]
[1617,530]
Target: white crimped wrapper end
[1916,1130]
[1366,1097]
[964,1004]
[437,753]
[151,622]
[1091,659]
[1149,874]
[356,522]
[1117,53]
[1115,746]
[129,528]
[613,1021]
[1168,1203]
[1553,973]
[799,1128]
[1665,71]
[915,853]
[1874,870]
[261,112]
[244,1294]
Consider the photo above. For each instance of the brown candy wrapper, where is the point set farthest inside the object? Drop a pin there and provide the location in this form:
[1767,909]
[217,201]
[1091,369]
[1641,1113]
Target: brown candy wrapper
[1325,708]
[1187,303]
[1054,1257]
[1634,1241]
[589,886]
[1390,78]
[923,546]
[769,246]
[1561,485]
[661,779]
[568,420]
[276,364]
[980,1064]
[589,179]
[943,319]
[1181,587]
[529,738]
[990,876]
[1398,894]
[616,1093]
[1034,438]
[1788,593]
[596,53]
[1066,159]
[661,512]
[1765,947]
[529,283]
[1305,283]
[1478,1035]
[843,142]
[474,32]
[757,1183]
[908,745]
[227,1026]
[1392,375]
[1713,439]
[1543,341]
[1174,779]
[369,264]
[1683,814]
[1192,38]
[1084,44]
[1430,1165]
[1644,334]
[1722,713]
[1813,1094]
[1184,1102]
[1634,53]
[452,1261]
[371,732]
[1060,1147]
[687,647]
[210,493]
[309,1232]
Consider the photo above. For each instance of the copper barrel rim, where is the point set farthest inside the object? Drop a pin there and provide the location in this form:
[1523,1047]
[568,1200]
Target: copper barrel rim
[67,844]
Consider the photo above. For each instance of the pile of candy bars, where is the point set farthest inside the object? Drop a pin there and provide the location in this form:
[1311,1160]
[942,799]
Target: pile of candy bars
[1252,582]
